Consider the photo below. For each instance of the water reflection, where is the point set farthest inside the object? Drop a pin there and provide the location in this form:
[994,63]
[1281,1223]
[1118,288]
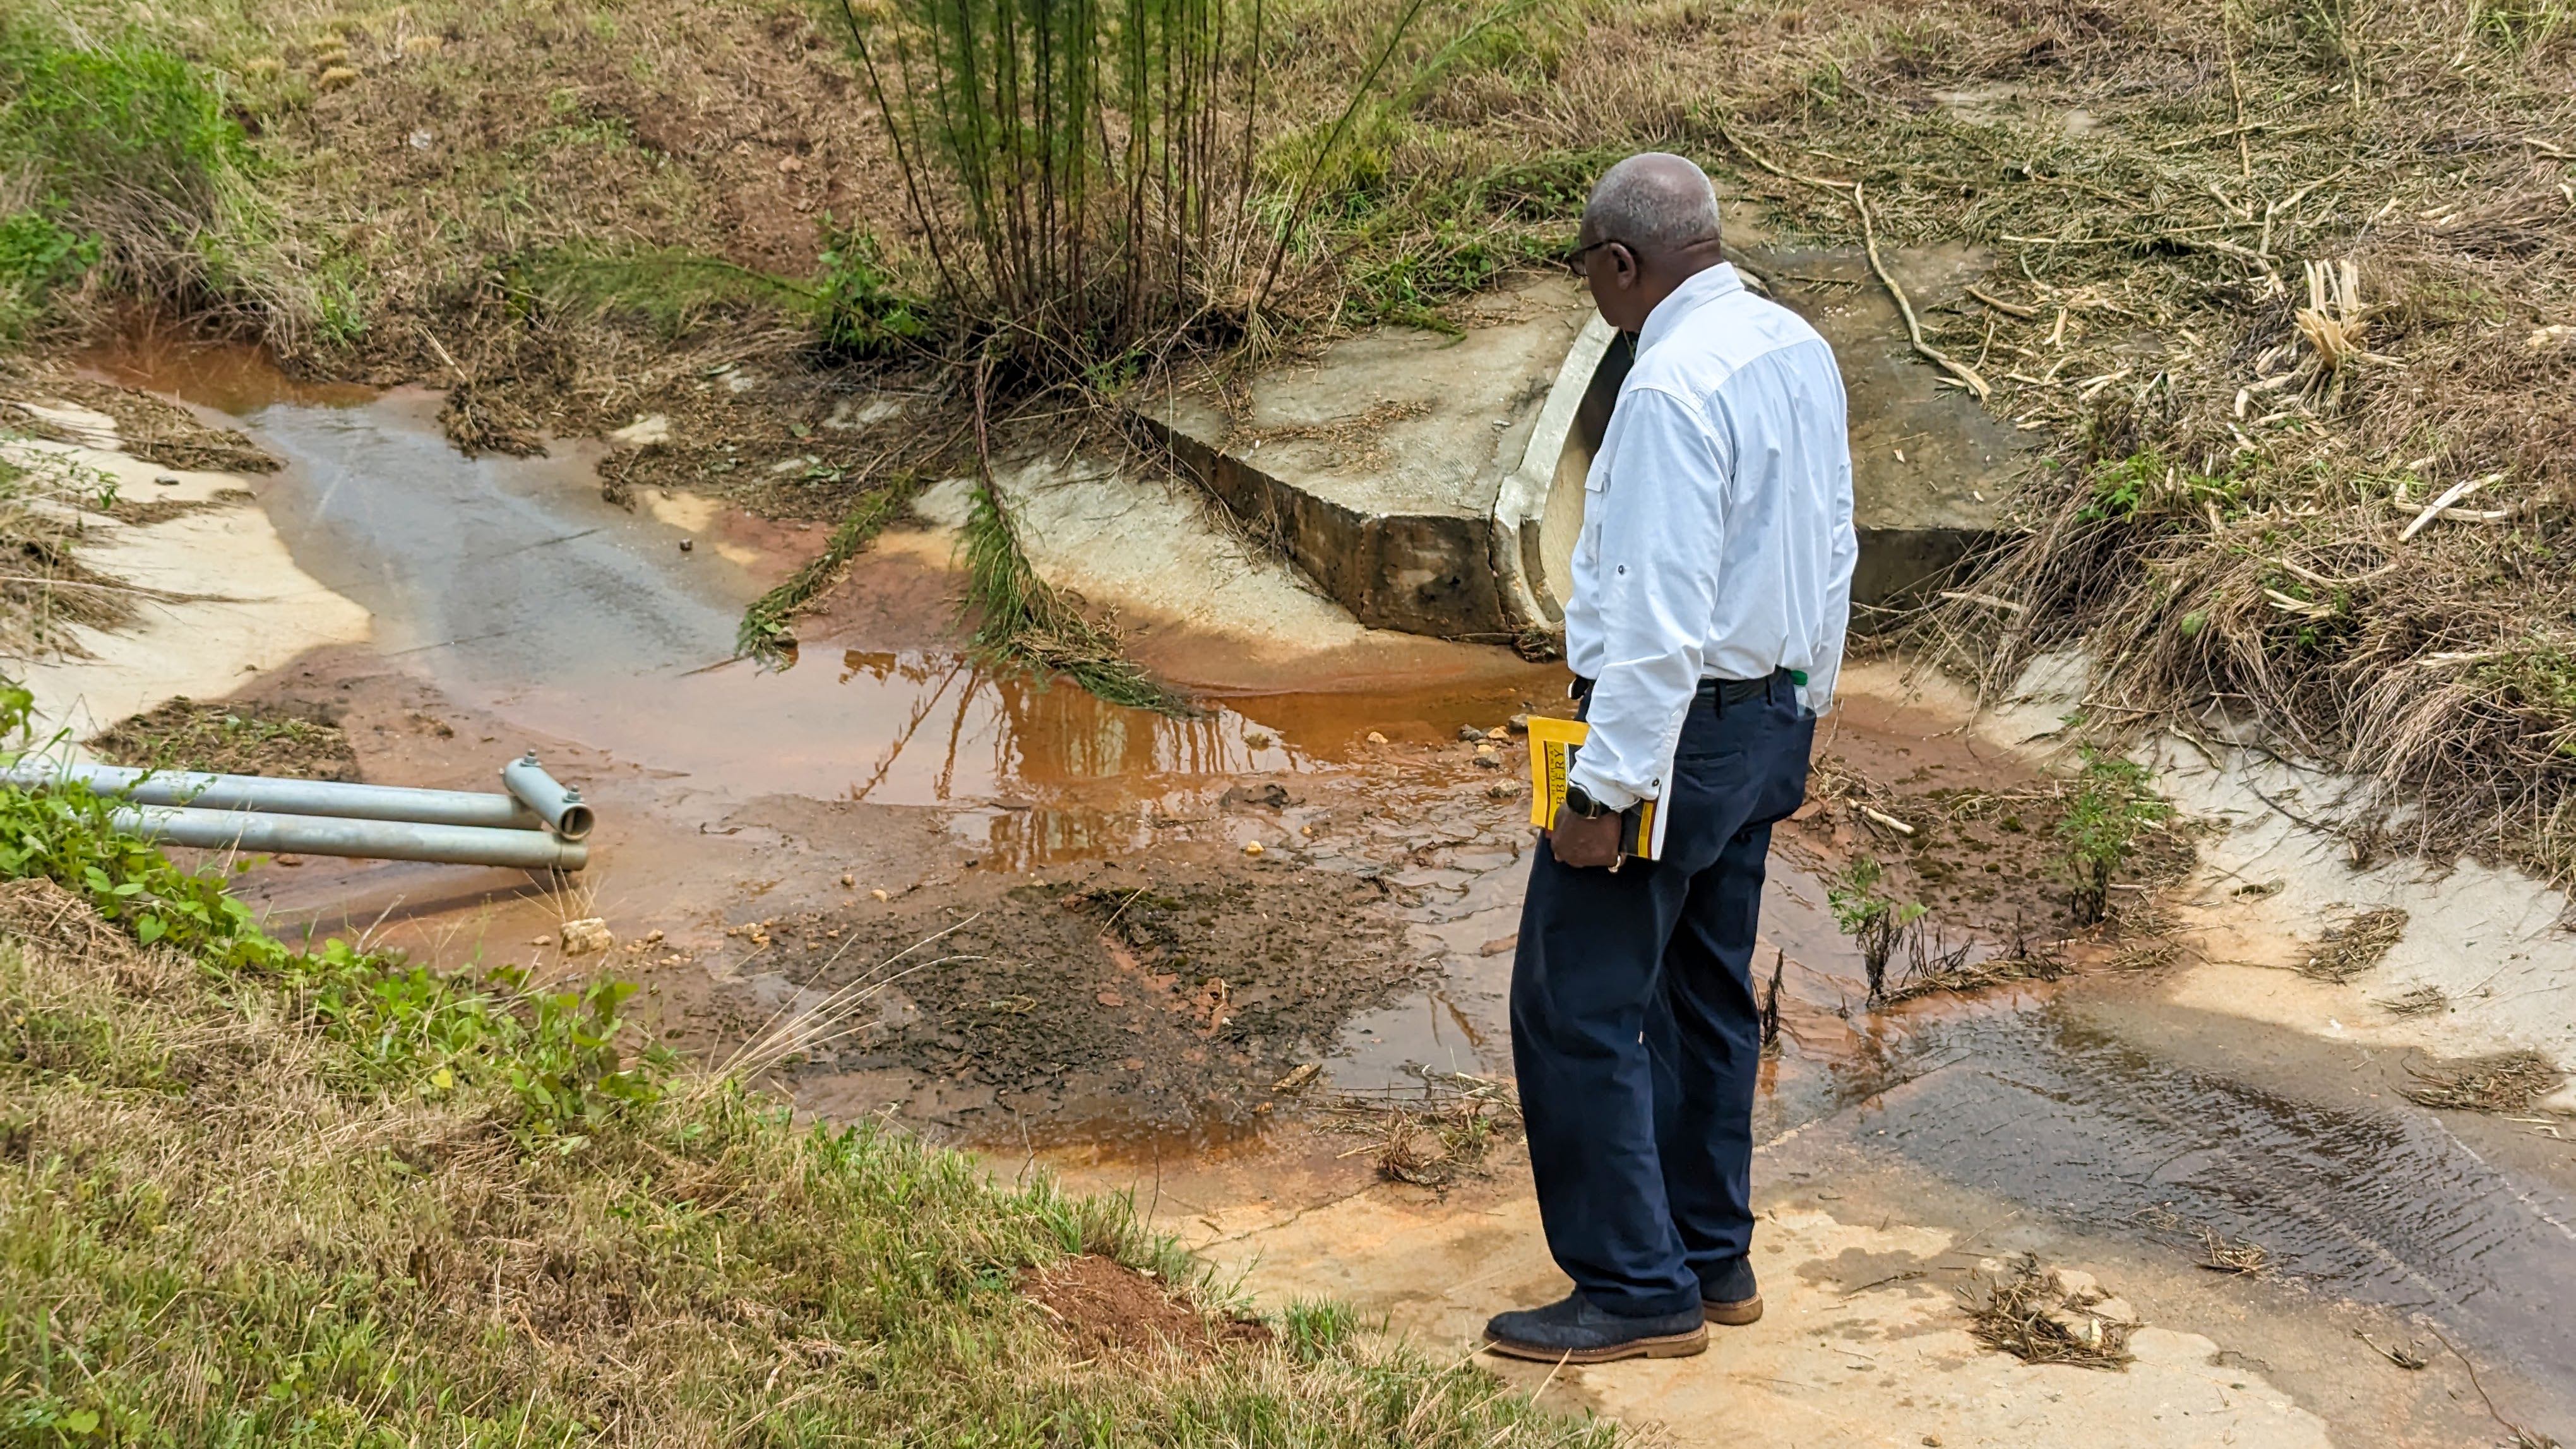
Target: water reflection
[988,729]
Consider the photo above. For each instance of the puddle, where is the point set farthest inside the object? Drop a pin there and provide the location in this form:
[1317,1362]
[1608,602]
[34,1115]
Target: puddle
[514,587]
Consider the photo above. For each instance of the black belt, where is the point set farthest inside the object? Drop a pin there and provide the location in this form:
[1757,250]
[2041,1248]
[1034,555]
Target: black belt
[1723,691]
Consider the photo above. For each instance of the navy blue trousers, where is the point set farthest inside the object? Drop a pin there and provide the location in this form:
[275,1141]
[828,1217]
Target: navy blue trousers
[1635,1034]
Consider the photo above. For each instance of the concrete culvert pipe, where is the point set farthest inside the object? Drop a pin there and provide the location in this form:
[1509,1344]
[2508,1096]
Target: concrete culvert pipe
[560,807]
[253,831]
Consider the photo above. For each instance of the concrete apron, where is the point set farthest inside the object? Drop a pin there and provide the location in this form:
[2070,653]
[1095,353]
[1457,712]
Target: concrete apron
[1433,484]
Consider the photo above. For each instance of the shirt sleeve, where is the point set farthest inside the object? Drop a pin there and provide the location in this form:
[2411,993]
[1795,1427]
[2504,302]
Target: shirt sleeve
[1846,556]
[1663,520]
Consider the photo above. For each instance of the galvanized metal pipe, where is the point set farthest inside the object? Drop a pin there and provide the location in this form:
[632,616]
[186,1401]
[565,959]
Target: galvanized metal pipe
[558,806]
[289,797]
[248,830]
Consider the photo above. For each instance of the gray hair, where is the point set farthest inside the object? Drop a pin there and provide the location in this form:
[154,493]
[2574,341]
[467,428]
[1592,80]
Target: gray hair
[1654,201]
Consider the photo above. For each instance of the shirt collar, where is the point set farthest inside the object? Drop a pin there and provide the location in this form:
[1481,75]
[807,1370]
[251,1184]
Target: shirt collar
[1699,288]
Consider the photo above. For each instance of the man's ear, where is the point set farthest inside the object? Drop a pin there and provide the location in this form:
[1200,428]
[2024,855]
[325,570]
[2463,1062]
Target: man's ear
[1623,264]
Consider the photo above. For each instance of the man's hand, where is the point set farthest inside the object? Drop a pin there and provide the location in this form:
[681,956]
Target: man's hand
[1585,844]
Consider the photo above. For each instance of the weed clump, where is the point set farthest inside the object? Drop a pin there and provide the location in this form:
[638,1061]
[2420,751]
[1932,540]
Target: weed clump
[2111,806]
[1876,923]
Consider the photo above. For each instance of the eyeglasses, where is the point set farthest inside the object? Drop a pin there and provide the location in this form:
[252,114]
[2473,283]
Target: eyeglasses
[1575,262]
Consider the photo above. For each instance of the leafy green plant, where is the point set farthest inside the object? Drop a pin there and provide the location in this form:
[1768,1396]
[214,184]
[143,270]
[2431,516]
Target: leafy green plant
[2113,803]
[1876,923]
[37,254]
[861,310]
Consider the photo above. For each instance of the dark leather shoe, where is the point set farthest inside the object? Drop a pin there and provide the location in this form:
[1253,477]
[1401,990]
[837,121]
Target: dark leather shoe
[1574,1331]
[1730,1296]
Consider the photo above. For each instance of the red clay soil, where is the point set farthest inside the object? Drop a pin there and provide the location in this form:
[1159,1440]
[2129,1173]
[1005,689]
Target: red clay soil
[1106,1307]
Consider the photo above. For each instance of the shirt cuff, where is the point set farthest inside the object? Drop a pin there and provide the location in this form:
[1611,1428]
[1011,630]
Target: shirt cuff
[1599,789]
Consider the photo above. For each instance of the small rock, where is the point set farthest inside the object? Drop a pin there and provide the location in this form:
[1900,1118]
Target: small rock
[789,165]
[166,481]
[1375,738]
[2556,334]
[1252,847]
[1518,724]
[653,937]
[541,941]
[647,431]
[687,545]
[1470,732]
[1257,739]
[420,140]
[1499,790]
[848,880]
[880,895]
[288,859]
[586,936]
[1498,733]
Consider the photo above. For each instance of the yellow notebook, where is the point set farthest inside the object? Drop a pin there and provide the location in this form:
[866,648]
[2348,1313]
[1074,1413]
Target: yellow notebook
[1552,745]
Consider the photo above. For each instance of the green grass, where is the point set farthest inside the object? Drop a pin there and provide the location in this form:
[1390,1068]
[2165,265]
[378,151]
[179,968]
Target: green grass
[251,1194]
[1021,620]
[764,634]
[124,156]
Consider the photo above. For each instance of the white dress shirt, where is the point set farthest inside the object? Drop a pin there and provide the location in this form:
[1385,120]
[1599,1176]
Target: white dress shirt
[1717,527]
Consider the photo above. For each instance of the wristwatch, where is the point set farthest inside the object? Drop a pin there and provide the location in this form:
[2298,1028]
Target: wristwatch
[1580,804]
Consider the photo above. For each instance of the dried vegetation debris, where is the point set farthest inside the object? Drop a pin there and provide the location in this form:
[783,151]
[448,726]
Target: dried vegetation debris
[1428,1138]
[2356,945]
[2049,1315]
[2505,1082]
[2290,321]
[45,588]
[232,739]
[157,430]
[1181,991]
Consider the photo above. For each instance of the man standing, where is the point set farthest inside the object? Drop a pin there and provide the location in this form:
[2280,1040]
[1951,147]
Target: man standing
[1712,584]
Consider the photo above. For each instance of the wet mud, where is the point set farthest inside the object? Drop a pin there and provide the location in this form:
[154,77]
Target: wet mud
[1150,996]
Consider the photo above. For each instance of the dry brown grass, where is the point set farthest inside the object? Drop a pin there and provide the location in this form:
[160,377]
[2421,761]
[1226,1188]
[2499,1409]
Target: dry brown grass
[2355,946]
[45,588]
[2507,1082]
[2037,1317]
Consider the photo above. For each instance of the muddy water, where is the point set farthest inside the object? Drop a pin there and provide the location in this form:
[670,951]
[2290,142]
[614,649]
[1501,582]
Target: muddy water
[514,587]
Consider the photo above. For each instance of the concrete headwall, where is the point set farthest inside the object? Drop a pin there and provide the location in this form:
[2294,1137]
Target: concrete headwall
[1435,484]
